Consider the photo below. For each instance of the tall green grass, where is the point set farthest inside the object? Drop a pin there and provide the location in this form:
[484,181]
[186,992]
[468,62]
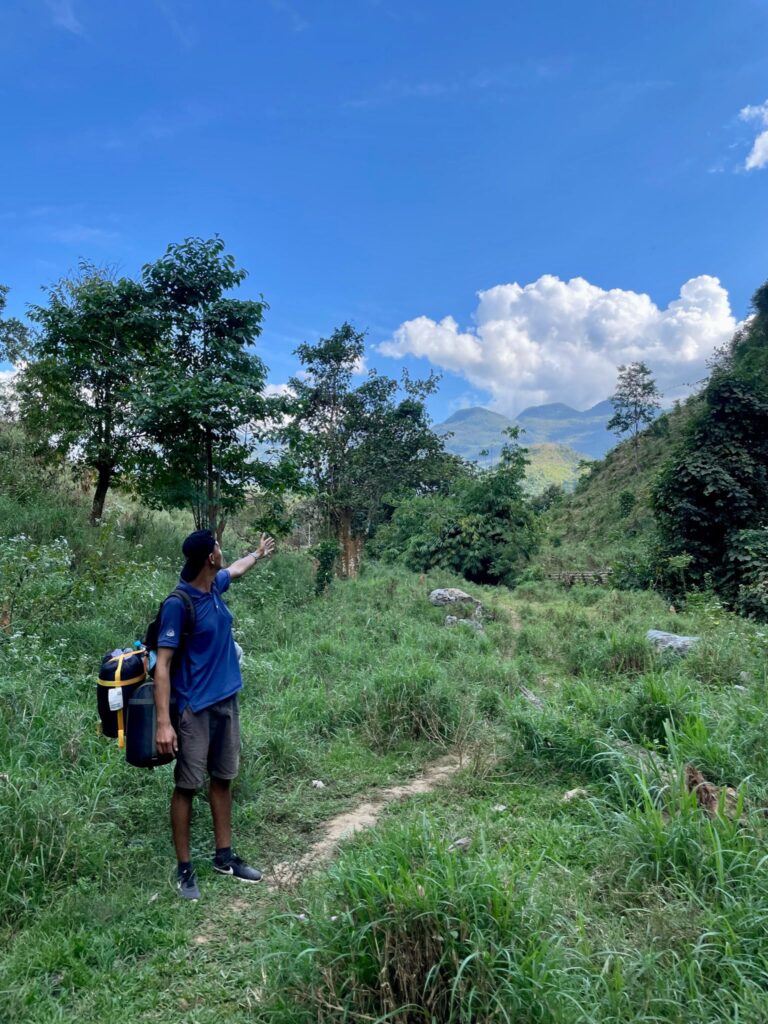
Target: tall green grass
[624,903]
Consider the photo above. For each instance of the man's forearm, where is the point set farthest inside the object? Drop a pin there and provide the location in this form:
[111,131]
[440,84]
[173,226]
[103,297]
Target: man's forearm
[162,690]
[242,565]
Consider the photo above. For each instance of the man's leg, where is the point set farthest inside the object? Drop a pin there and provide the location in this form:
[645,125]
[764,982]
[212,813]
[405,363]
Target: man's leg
[223,764]
[189,775]
[221,811]
[181,820]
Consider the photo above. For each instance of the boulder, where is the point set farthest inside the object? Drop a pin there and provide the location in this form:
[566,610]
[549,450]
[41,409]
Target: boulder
[451,595]
[662,641]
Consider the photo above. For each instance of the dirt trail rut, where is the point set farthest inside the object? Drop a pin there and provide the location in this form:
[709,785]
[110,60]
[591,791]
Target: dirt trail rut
[364,816]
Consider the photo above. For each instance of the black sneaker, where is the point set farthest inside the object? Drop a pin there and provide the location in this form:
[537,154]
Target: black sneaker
[186,885]
[236,867]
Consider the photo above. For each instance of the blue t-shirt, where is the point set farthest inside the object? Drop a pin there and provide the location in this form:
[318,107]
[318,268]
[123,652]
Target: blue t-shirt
[208,670]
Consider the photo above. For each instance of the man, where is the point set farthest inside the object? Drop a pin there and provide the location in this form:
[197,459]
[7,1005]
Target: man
[205,682]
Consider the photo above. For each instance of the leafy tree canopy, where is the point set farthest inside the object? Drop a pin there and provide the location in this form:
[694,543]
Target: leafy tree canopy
[635,402]
[204,410]
[354,445]
[84,368]
[13,333]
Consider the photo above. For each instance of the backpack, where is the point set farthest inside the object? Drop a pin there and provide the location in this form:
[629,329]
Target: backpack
[153,630]
[125,691]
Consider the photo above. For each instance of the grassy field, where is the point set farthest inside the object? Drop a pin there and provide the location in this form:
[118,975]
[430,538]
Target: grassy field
[626,903]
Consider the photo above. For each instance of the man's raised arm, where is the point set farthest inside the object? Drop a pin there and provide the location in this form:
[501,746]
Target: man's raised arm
[265,549]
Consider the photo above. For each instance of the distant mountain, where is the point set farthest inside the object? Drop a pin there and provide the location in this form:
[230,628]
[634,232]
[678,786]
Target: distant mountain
[478,436]
[478,428]
[474,431]
[585,431]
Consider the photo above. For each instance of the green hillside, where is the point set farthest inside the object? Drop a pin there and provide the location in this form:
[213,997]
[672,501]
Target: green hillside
[594,850]
[552,463]
[596,525]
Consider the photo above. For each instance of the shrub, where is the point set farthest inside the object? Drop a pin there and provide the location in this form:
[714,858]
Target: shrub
[327,554]
[413,705]
[626,504]
[483,528]
[655,702]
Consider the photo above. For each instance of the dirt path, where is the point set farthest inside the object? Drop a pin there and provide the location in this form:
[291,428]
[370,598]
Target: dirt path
[217,930]
[365,815]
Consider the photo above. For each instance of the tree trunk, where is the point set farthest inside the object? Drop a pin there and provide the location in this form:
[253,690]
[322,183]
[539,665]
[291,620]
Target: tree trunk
[351,547]
[103,481]
[211,509]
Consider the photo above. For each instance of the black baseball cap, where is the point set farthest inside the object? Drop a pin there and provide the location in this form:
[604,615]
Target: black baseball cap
[196,548]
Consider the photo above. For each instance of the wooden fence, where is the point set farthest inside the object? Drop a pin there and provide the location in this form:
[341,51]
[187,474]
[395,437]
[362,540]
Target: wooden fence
[596,577]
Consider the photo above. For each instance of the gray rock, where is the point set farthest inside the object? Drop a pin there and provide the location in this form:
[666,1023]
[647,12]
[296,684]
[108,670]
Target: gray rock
[531,696]
[451,595]
[460,845]
[452,620]
[662,641]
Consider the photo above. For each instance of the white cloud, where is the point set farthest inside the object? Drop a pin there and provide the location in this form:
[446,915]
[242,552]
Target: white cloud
[556,340]
[271,390]
[758,156]
[63,14]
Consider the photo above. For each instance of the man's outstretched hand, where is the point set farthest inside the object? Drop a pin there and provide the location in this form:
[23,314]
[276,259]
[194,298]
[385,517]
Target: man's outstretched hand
[265,549]
[266,546]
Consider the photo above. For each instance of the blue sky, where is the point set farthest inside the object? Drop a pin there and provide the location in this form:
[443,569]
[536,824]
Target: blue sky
[385,161]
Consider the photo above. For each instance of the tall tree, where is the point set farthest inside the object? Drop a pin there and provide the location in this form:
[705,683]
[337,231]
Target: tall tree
[204,411]
[83,369]
[634,403]
[356,444]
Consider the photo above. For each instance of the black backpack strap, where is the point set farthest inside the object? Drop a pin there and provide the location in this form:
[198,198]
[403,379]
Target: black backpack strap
[189,614]
[189,611]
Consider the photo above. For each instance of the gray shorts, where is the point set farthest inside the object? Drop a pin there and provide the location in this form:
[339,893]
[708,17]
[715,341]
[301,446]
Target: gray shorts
[209,741]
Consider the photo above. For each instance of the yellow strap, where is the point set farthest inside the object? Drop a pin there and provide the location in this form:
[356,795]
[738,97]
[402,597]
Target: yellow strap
[119,658]
[120,729]
[122,682]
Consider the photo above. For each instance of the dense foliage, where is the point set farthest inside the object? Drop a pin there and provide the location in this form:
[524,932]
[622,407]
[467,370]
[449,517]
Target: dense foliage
[711,500]
[483,528]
